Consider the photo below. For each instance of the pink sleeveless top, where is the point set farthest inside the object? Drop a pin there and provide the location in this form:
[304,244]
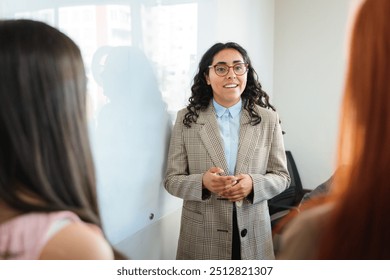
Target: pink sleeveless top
[23,237]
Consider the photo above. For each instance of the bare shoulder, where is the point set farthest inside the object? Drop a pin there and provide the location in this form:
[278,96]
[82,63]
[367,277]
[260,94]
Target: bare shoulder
[78,241]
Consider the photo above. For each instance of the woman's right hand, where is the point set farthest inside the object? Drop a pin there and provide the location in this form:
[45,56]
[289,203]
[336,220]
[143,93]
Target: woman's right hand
[215,182]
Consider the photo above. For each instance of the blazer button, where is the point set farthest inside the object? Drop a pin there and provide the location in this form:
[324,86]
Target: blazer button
[244,232]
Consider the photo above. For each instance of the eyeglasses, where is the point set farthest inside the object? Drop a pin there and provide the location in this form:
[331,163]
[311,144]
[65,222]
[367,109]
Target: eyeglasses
[223,69]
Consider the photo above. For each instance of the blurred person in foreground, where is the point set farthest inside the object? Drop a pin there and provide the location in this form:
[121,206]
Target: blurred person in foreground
[350,222]
[48,207]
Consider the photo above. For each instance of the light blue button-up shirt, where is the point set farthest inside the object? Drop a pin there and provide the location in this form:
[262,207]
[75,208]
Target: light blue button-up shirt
[229,126]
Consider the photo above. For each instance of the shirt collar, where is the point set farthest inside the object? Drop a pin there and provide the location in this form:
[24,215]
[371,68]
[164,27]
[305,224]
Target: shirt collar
[234,110]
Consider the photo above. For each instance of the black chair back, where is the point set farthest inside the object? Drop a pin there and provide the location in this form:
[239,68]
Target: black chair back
[291,196]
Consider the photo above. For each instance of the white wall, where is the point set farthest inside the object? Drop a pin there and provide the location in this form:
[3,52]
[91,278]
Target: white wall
[308,80]
[251,24]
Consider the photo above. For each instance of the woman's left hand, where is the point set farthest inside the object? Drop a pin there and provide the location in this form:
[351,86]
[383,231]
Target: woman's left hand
[241,189]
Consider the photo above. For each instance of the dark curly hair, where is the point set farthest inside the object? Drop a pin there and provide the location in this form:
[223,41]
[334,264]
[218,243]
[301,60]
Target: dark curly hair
[201,92]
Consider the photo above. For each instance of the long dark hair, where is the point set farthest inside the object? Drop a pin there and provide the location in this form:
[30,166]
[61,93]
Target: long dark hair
[201,92]
[45,151]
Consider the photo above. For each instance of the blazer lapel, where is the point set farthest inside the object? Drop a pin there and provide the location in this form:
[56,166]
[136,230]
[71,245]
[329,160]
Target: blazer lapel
[249,136]
[211,138]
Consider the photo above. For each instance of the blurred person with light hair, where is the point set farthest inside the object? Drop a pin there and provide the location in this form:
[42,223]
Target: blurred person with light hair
[350,221]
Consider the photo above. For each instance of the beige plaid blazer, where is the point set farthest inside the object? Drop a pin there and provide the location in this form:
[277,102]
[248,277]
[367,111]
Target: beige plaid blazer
[206,221]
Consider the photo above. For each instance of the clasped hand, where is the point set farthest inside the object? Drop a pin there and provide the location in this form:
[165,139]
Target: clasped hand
[234,188]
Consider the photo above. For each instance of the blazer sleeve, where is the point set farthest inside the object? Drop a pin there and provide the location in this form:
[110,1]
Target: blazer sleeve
[178,182]
[276,179]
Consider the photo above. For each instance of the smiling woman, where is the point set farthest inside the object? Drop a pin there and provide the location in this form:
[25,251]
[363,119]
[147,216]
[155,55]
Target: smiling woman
[227,85]
[226,159]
